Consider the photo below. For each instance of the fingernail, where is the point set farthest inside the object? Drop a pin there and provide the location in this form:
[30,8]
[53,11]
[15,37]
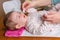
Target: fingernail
[24,10]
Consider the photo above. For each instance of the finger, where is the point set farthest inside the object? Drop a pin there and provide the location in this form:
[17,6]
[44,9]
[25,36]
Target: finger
[49,19]
[25,4]
[51,12]
[50,22]
[43,17]
[49,16]
[29,6]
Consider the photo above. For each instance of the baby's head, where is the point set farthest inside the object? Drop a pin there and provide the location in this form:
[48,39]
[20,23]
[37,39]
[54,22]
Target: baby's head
[15,20]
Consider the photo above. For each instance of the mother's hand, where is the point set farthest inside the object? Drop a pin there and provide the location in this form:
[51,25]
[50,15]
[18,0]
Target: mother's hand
[53,17]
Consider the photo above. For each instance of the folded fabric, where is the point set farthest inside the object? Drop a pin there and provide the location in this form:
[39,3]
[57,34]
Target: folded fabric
[14,33]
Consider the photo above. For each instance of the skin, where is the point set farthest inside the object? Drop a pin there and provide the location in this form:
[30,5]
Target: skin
[36,3]
[19,18]
[52,17]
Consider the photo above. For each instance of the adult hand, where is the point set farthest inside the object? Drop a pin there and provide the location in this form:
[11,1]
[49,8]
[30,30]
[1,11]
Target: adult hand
[28,4]
[36,3]
[53,17]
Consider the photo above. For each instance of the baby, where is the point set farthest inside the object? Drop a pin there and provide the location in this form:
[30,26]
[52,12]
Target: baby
[33,22]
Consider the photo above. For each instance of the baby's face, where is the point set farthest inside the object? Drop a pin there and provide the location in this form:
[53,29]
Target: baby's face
[19,18]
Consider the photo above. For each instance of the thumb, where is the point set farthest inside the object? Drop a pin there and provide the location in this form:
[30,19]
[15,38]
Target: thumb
[51,12]
[25,4]
[29,6]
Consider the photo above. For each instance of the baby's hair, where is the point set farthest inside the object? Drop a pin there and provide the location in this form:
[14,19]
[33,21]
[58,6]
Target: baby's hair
[6,20]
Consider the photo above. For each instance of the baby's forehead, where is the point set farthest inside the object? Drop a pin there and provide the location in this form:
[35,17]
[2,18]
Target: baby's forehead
[15,13]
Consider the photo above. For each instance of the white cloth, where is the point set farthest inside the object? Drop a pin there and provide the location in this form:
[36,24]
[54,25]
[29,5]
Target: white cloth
[13,5]
[26,33]
[36,26]
[52,34]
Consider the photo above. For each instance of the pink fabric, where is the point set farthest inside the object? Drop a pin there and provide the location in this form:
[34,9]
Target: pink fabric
[15,33]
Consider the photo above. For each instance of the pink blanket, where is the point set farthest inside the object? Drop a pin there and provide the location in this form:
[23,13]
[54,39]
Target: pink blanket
[15,33]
